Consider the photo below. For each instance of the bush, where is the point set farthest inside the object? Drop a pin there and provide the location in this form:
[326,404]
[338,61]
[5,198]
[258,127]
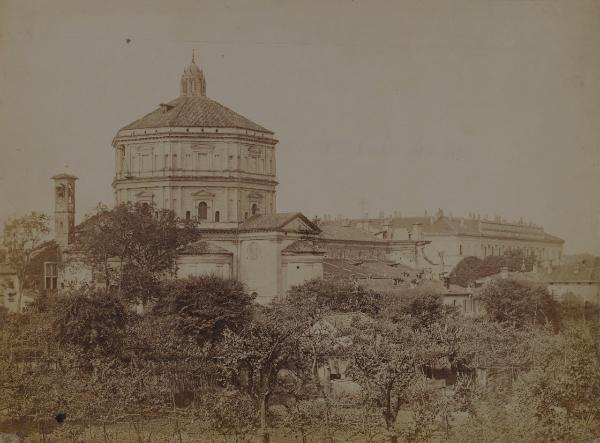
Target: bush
[90,319]
[205,306]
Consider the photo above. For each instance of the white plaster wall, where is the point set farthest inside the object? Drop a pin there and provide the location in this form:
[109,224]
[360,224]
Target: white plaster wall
[189,266]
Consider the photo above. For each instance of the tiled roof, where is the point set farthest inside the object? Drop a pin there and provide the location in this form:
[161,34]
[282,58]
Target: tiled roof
[456,226]
[302,247]
[342,268]
[197,111]
[584,271]
[333,231]
[274,221]
[203,247]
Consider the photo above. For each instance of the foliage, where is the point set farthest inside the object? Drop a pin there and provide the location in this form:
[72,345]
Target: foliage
[22,236]
[555,400]
[470,269]
[142,242]
[317,297]
[420,308]
[93,320]
[207,358]
[384,361]
[519,303]
[203,307]
[253,357]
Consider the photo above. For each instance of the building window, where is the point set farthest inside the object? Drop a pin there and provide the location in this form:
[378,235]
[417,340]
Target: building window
[187,215]
[202,211]
[50,275]
[217,216]
[460,251]
[245,215]
[254,209]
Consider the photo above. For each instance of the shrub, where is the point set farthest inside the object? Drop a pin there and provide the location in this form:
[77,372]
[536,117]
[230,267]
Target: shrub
[90,319]
[203,307]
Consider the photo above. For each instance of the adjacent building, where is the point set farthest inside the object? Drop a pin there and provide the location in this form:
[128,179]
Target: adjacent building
[446,240]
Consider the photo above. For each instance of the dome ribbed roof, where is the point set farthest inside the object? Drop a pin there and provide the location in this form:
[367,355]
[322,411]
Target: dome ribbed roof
[194,111]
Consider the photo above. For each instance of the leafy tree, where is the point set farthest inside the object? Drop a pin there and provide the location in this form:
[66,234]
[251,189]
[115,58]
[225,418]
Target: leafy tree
[22,236]
[420,308]
[142,242]
[470,269]
[93,320]
[556,400]
[384,361]
[318,297]
[252,358]
[519,303]
[203,307]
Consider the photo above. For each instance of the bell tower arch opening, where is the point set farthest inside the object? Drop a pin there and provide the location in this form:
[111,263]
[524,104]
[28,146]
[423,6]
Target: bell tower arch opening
[64,208]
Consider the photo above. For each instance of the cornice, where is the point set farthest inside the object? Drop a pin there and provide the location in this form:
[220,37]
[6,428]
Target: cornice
[192,135]
[176,180]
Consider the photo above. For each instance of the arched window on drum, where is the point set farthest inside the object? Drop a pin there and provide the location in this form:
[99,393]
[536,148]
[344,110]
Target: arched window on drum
[202,211]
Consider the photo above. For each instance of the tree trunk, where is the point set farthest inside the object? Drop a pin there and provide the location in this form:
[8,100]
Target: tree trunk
[20,295]
[328,437]
[264,405]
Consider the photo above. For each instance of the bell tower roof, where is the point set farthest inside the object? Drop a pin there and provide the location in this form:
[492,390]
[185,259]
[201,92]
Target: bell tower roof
[193,83]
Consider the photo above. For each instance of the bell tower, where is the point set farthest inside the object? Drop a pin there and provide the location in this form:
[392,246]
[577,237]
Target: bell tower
[64,208]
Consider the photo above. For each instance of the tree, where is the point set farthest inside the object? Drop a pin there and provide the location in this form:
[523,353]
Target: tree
[470,269]
[420,308]
[317,297]
[143,243]
[22,236]
[252,358]
[519,303]
[384,360]
[203,307]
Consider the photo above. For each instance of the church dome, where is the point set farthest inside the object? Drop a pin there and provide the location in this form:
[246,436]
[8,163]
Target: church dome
[194,109]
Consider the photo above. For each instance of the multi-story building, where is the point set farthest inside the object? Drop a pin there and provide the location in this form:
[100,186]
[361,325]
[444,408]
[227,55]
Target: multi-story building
[450,239]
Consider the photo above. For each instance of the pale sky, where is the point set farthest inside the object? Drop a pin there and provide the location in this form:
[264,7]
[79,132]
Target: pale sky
[478,106]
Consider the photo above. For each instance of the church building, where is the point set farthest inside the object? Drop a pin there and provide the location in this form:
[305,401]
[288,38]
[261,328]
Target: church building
[204,161]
